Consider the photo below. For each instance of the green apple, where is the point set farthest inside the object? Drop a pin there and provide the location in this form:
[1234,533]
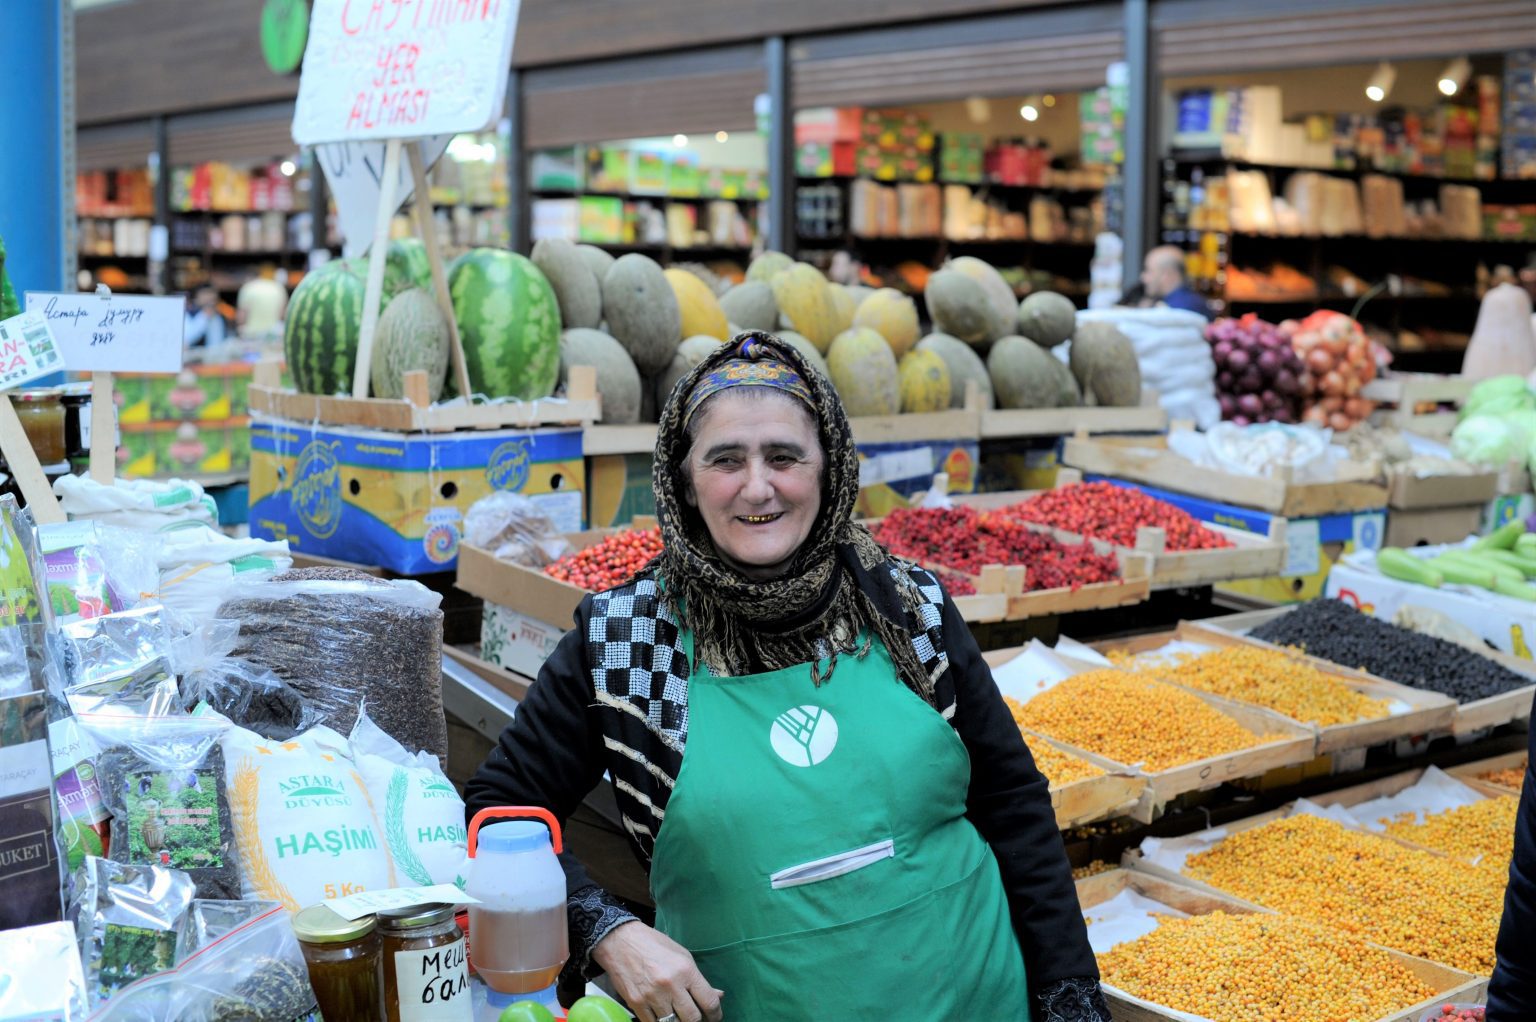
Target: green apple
[525,1011]
[593,1008]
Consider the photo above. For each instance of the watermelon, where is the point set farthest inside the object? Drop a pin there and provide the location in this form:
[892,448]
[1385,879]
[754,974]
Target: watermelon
[412,334]
[509,323]
[325,318]
[406,265]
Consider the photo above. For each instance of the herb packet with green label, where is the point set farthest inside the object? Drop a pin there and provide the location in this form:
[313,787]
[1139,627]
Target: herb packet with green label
[127,920]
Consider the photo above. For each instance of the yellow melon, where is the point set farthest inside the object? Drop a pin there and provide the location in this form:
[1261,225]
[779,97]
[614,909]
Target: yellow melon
[806,302]
[702,315]
[923,380]
[893,316]
[864,372]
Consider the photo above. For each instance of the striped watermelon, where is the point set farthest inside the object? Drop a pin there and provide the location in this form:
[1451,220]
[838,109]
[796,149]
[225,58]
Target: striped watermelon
[509,323]
[407,260]
[325,321]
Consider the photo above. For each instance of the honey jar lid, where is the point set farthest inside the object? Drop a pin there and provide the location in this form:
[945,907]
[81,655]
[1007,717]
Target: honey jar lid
[320,924]
[417,915]
[44,394]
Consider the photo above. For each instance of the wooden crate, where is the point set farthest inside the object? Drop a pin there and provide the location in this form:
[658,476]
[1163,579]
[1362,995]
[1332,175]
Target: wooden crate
[1004,423]
[1382,787]
[1116,792]
[1429,711]
[1008,581]
[1294,746]
[511,684]
[1470,773]
[1474,716]
[1404,391]
[912,427]
[416,413]
[1250,556]
[1449,984]
[1148,460]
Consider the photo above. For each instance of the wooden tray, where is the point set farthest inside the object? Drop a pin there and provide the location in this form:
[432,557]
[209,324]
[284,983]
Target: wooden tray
[1474,716]
[1148,460]
[1468,773]
[1000,588]
[1404,390]
[1382,787]
[1294,747]
[1116,792]
[1250,556]
[1430,711]
[415,413]
[1449,984]
[1001,424]
[912,427]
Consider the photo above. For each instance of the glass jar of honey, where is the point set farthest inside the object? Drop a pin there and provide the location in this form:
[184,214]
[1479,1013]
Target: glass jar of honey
[426,968]
[343,956]
[42,418]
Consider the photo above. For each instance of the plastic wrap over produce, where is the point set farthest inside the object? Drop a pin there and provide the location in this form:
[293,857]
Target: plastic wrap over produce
[340,637]
[1174,357]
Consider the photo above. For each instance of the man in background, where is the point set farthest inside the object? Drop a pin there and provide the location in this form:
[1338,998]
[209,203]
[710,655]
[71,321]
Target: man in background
[1163,282]
[260,305]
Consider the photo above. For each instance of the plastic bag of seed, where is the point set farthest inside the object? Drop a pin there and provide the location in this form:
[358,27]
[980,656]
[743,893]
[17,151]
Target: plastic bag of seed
[341,637]
[253,972]
[127,922]
[163,780]
[249,695]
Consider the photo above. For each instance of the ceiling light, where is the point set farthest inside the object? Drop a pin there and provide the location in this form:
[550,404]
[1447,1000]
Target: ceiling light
[722,136]
[288,168]
[1455,76]
[1379,86]
[1029,112]
[679,140]
[1049,100]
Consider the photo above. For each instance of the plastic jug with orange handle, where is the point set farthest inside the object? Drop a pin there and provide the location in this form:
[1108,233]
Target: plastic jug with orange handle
[517,932]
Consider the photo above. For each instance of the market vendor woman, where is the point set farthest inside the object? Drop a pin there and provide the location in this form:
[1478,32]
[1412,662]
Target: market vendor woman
[838,815]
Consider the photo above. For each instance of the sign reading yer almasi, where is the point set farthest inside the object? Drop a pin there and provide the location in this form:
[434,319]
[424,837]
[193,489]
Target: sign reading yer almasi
[381,69]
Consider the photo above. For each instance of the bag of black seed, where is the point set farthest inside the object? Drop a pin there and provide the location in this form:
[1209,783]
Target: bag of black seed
[340,637]
[249,695]
[163,781]
[128,920]
[253,972]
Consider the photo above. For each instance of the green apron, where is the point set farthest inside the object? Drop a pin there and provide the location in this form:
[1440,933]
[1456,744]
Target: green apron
[815,856]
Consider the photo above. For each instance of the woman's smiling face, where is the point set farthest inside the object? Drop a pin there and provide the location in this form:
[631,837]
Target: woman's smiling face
[754,474]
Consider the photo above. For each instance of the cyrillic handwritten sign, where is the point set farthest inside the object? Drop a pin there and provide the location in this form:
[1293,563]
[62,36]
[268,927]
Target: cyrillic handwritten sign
[113,333]
[381,69]
[354,171]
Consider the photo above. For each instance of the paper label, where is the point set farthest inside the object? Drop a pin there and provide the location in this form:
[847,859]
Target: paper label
[29,349]
[563,508]
[354,172]
[367,903]
[114,333]
[1303,547]
[381,70]
[884,468]
[434,984]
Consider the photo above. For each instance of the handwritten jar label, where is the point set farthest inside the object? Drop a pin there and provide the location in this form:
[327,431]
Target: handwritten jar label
[434,984]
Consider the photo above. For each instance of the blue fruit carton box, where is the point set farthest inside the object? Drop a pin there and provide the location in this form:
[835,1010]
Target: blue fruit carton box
[398,500]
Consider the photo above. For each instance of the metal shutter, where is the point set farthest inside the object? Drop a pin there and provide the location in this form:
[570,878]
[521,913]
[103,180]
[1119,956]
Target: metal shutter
[1210,36]
[699,92]
[240,135]
[114,146]
[1031,51]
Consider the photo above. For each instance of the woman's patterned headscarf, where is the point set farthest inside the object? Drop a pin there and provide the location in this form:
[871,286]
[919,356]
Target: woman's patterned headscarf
[830,592]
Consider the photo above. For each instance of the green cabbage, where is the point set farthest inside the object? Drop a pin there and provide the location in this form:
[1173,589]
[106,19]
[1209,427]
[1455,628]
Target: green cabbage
[1488,440]
[1498,394]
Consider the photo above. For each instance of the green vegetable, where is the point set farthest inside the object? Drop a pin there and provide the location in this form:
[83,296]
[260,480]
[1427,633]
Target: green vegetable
[1526,545]
[1509,391]
[1482,563]
[525,1011]
[593,1008]
[1520,562]
[1519,590]
[1464,572]
[1395,563]
[1502,538]
[1488,440]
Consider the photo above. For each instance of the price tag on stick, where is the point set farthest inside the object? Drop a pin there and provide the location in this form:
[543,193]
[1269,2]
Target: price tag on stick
[111,333]
[28,351]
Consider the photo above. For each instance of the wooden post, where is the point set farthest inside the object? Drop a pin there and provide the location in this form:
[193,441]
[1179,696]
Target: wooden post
[103,429]
[428,231]
[24,465]
[362,375]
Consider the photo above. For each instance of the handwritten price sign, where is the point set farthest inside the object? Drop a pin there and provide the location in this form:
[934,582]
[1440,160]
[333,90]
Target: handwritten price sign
[382,69]
[355,172]
[114,333]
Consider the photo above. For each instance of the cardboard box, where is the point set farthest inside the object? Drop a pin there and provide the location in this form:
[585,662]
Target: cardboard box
[397,500]
[198,449]
[1432,525]
[516,641]
[1414,492]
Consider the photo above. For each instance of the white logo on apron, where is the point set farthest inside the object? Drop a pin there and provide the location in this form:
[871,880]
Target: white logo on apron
[803,736]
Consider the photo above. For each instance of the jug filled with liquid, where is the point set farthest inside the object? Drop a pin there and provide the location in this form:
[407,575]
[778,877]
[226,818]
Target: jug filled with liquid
[517,932]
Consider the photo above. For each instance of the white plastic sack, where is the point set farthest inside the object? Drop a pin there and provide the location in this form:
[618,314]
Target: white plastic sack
[306,828]
[422,813]
[144,504]
[42,978]
[199,565]
[1172,353]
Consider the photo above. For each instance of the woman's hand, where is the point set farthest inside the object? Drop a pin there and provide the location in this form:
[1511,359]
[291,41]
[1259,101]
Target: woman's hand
[656,975]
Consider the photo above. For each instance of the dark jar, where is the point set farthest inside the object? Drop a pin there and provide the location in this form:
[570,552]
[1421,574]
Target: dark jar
[343,956]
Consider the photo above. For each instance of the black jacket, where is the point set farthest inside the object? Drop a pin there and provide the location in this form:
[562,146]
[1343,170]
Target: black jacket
[554,752]
[1512,992]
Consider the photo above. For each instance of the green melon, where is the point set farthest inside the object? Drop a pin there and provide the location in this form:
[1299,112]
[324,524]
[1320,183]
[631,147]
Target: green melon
[412,334]
[1104,361]
[598,260]
[863,370]
[1023,374]
[1002,304]
[806,349]
[768,265]
[689,354]
[642,312]
[576,289]
[965,366]
[618,381]
[324,321]
[750,305]
[1047,318]
[509,323]
[958,306]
